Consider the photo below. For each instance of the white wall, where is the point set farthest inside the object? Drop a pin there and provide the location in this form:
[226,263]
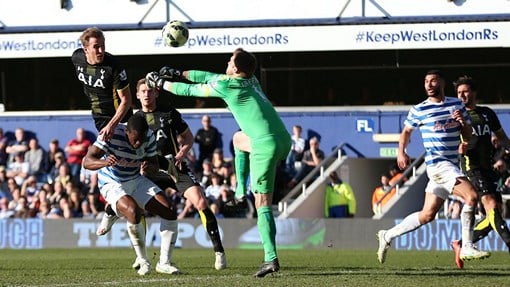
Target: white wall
[93,12]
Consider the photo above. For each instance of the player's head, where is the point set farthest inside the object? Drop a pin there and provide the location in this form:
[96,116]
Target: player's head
[466,89]
[434,84]
[146,95]
[242,64]
[93,42]
[136,130]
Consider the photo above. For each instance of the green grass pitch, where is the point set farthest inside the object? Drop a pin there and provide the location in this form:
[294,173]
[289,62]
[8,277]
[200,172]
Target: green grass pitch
[311,267]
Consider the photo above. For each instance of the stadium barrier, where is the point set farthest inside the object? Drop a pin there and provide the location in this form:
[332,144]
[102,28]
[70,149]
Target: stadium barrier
[292,233]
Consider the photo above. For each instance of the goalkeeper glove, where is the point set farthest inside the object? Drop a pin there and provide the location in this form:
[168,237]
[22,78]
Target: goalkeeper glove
[169,73]
[154,81]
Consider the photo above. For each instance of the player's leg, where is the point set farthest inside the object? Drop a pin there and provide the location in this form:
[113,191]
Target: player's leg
[496,221]
[464,189]
[242,149]
[431,206]
[263,161]
[107,221]
[126,206]
[154,201]
[195,195]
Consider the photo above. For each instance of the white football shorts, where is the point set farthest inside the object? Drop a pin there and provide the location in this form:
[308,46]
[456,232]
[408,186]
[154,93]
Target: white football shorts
[140,188]
[442,178]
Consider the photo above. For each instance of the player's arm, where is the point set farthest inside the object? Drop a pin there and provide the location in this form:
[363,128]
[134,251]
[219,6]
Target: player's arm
[126,101]
[94,159]
[150,166]
[185,141]
[463,119]
[205,85]
[466,132]
[403,142]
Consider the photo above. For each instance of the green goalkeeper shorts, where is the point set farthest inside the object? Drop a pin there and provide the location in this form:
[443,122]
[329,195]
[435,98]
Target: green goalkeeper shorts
[266,154]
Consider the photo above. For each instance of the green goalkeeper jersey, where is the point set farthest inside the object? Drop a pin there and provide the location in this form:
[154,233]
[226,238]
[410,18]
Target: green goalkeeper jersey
[253,112]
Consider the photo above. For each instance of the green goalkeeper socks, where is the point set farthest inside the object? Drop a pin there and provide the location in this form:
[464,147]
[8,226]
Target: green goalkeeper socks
[267,231]
[242,167]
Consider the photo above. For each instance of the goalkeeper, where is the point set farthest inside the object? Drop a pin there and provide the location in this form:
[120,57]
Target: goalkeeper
[260,145]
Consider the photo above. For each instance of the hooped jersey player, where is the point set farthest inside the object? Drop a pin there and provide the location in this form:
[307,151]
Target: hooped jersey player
[100,84]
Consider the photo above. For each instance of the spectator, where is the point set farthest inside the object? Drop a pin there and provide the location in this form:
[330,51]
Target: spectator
[64,175]
[22,210]
[384,192]
[89,184]
[311,158]
[225,172]
[35,158]
[53,149]
[205,175]
[58,160]
[296,151]
[19,144]
[44,210]
[75,201]
[339,199]
[5,211]
[499,151]
[213,191]
[396,174]
[217,160]
[76,150]
[36,205]
[14,191]
[207,139]
[19,168]
[4,142]
[30,190]
[58,192]
[4,185]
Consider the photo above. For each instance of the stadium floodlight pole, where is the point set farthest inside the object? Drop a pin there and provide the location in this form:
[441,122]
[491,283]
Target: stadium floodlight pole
[148,11]
[169,2]
[386,14]
[178,8]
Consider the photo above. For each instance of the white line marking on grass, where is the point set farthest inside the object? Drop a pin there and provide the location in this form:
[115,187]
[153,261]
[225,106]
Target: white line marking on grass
[141,280]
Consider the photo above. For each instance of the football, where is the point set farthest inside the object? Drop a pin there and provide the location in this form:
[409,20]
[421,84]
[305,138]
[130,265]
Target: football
[175,33]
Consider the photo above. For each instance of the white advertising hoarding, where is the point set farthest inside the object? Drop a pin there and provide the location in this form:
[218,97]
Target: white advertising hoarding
[270,39]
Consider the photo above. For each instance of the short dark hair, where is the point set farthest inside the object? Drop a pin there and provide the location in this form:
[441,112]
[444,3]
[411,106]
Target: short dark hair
[138,123]
[465,80]
[435,72]
[245,62]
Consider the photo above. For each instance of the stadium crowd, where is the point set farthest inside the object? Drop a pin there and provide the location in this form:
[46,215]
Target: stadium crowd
[49,182]
[38,182]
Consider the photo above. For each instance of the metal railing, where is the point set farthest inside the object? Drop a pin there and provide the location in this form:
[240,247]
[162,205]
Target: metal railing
[318,171]
[410,172]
